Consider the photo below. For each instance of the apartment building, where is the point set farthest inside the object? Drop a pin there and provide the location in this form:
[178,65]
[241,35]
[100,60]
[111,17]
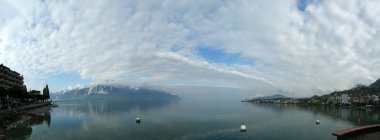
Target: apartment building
[10,78]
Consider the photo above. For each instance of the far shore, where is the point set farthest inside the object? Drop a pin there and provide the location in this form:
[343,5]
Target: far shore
[359,106]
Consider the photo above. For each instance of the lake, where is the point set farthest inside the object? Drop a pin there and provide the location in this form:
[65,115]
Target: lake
[191,119]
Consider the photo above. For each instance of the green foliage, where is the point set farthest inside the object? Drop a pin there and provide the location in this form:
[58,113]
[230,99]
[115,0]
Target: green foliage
[46,93]
[17,92]
[34,94]
[22,94]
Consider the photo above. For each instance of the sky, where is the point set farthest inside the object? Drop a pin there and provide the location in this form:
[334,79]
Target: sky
[295,47]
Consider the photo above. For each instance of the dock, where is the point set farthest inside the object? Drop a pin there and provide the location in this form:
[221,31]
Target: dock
[368,132]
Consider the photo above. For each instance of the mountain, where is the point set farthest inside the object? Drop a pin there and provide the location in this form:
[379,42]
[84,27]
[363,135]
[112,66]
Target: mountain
[373,88]
[273,97]
[277,96]
[376,84]
[122,92]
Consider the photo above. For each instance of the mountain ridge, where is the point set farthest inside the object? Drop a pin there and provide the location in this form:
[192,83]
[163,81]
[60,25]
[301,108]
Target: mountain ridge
[112,92]
[371,89]
[272,97]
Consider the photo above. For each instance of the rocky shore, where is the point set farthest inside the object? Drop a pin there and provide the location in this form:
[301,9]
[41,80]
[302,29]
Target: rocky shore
[13,118]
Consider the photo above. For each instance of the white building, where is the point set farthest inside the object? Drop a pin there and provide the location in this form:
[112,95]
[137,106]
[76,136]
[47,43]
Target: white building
[375,98]
[344,99]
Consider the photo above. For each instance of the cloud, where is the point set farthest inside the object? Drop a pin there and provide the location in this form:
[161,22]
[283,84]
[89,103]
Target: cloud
[322,47]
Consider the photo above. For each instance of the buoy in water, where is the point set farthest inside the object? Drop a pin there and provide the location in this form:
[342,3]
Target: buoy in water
[138,120]
[243,128]
[317,122]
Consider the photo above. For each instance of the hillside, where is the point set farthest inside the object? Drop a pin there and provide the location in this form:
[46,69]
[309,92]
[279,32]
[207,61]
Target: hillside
[273,97]
[373,88]
[112,92]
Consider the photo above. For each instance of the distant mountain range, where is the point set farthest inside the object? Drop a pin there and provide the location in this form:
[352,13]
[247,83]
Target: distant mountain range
[122,92]
[373,88]
[277,96]
[273,97]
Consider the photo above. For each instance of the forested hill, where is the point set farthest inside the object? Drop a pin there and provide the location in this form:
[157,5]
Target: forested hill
[373,88]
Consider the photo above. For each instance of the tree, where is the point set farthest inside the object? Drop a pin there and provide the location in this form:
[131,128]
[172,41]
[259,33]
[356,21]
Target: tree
[47,90]
[45,93]
[35,94]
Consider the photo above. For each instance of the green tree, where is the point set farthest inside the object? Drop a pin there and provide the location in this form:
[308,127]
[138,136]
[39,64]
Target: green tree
[45,93]
[19,93]
[35,94]
[16,92]
[48,92]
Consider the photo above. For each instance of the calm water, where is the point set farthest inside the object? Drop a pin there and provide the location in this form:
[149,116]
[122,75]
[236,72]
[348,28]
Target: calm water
[190,119]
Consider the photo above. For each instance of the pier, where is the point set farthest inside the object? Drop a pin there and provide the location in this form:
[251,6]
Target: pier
[369,132]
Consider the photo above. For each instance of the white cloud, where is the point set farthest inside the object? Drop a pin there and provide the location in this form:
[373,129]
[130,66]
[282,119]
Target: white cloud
[331,45]
[77,86]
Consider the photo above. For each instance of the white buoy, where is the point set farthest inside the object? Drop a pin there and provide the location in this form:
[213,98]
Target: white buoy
[317,122]
[138,120]
[243,128]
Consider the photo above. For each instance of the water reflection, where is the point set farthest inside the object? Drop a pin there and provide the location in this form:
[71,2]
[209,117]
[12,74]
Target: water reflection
[193,119]
[106,107]
[85,116]
[354,116]
[25,130]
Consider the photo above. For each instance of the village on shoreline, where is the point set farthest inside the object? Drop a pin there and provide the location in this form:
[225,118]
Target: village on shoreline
[337,100]
[359,96]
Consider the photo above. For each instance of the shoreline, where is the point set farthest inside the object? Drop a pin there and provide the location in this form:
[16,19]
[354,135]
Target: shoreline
[333,105]
[14,118]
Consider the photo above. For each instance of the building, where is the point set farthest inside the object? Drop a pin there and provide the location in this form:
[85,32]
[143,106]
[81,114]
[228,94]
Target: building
[375,98]
[10,78]
[344,99]
[334,100]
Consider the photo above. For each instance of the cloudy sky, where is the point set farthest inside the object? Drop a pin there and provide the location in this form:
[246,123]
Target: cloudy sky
[298,47]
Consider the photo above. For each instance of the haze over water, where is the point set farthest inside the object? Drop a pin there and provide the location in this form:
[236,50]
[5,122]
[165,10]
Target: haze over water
[193,119]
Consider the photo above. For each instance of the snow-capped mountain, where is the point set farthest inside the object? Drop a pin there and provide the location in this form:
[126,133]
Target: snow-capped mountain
[112,92]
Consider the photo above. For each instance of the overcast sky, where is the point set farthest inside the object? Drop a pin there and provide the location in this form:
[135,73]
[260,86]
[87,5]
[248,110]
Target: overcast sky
[297,47]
